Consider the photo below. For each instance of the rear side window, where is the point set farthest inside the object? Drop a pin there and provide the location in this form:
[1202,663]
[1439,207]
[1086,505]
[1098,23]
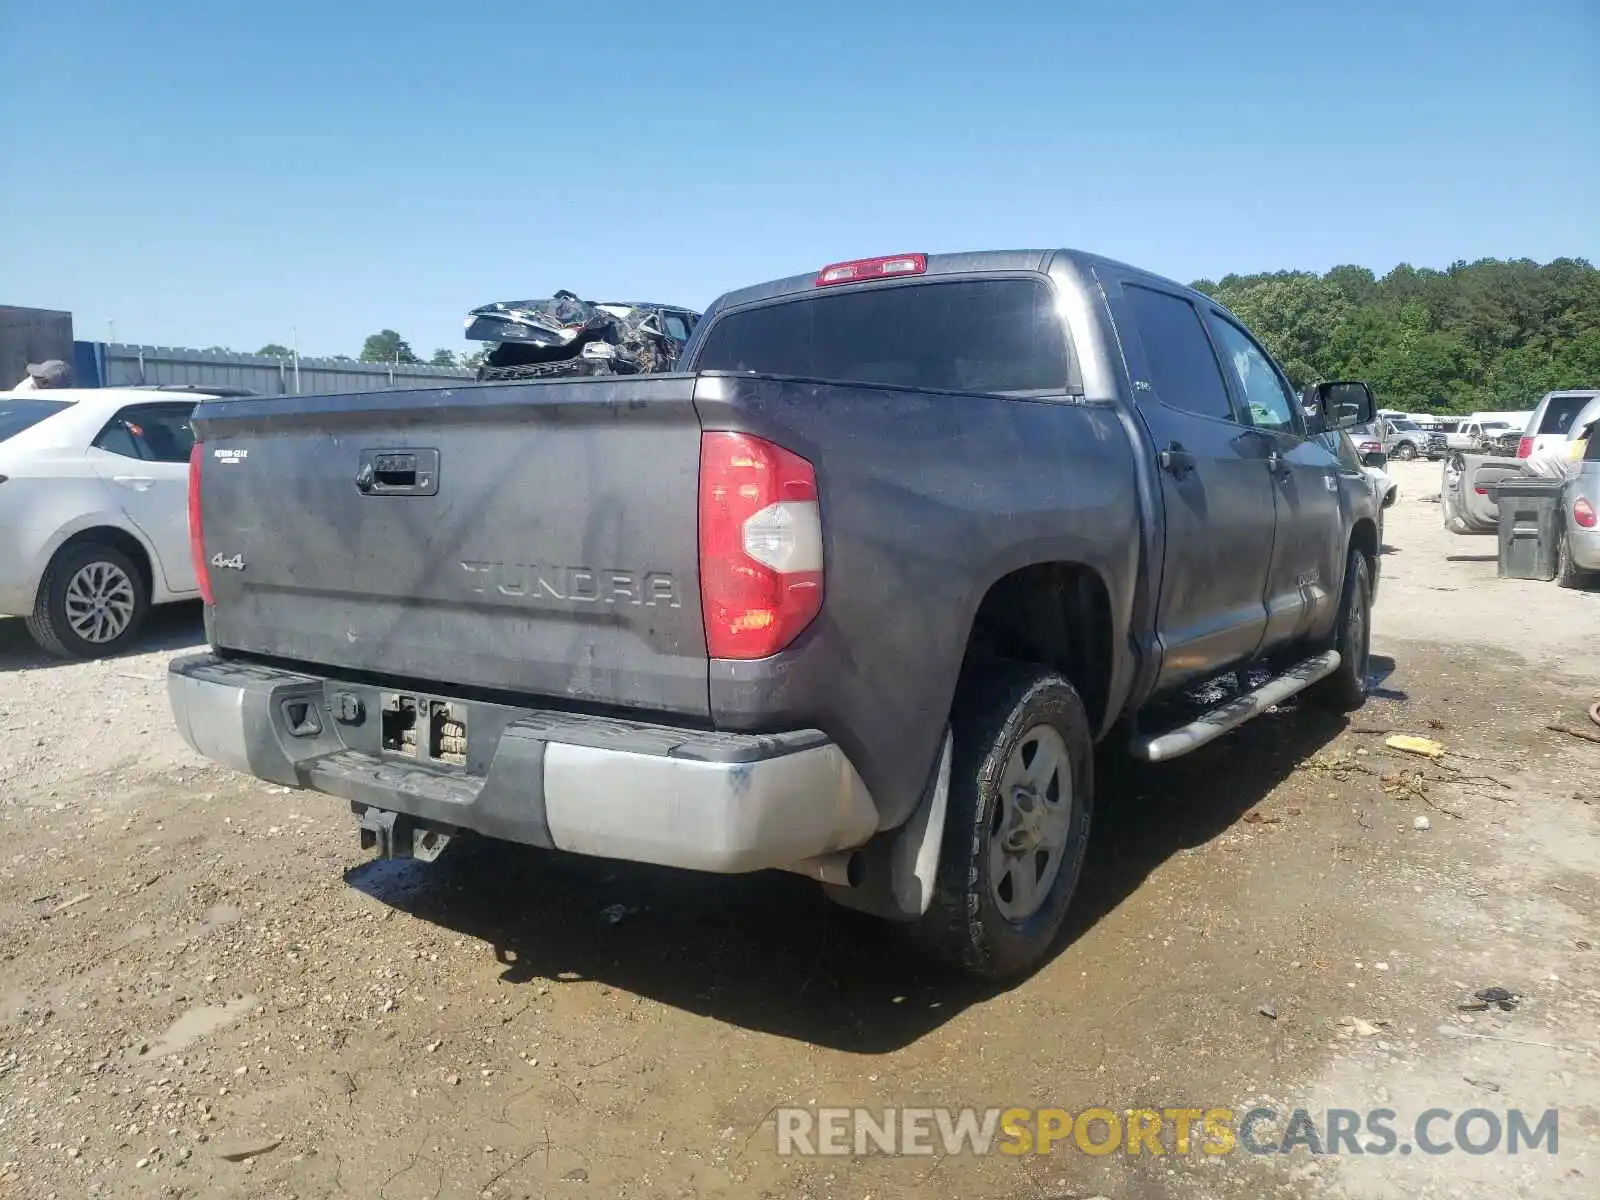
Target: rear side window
[1183,369]
[17,415]
[973,335]
[1560,412]
[150,433]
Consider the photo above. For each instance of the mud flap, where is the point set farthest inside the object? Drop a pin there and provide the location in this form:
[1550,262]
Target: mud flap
[902,864]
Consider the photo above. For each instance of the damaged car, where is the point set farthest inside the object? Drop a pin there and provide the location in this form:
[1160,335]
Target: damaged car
[565,335]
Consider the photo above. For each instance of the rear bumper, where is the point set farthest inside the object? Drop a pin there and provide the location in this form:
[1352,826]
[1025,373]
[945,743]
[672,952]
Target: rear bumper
[590,785]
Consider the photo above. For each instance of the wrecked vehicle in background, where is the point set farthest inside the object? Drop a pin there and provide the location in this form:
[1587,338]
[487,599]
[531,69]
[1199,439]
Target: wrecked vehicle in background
[540,339]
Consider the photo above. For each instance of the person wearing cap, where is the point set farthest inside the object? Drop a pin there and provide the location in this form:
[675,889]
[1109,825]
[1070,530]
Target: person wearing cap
[52,373]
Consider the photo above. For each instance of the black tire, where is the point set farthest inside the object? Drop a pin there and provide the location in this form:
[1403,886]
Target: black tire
[50,623]
[1568,575]
[1346,689]
[1405,451]
[995,716]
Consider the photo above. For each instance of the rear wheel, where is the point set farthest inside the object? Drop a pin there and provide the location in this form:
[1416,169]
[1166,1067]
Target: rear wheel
[91,602]
[1346,689]
[1568,574]
[1017,825]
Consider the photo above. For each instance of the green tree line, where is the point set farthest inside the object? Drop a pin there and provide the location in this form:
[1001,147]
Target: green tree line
[385,346]
[1487,335]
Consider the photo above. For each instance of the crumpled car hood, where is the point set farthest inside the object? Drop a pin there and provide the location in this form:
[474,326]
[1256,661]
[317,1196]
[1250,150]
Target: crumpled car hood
[565,335]
[552,322]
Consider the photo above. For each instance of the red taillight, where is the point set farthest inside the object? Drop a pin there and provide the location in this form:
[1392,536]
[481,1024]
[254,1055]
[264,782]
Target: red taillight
[760,545]
[1525,447]
[197,537]
[861,269]
[1583,513]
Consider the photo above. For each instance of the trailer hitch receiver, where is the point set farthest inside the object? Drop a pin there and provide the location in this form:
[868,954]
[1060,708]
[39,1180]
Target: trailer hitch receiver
[395,835]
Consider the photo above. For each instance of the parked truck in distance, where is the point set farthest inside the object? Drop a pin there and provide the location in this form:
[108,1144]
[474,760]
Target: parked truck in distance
[854,593]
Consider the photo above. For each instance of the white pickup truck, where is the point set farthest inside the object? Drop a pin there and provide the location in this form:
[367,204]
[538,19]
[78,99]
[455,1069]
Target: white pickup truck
[1471,434]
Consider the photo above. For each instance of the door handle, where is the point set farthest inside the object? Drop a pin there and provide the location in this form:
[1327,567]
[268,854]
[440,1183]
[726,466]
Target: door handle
[137,483]
[1175,461]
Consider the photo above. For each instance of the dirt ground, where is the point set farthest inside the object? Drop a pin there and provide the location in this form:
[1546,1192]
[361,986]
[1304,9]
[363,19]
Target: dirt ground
[208,990]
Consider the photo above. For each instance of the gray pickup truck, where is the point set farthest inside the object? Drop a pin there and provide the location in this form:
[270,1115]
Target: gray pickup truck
[852,594]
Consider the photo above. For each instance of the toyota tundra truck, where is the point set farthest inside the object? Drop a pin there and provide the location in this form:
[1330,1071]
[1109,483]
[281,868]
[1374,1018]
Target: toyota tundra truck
[853,593]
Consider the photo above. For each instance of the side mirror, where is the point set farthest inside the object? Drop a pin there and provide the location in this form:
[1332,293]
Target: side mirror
[1344,403]
[1376,459]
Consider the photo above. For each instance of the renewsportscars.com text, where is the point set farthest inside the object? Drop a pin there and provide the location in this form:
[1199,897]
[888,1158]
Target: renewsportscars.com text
[1165,1131]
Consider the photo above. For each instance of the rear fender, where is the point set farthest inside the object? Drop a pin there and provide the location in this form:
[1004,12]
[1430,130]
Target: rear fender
[83,523]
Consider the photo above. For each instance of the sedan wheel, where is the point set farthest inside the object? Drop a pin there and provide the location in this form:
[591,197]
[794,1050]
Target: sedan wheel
[91,602]
[100,602]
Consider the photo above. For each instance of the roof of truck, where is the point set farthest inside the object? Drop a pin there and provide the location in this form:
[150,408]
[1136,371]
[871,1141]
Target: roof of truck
[960,263]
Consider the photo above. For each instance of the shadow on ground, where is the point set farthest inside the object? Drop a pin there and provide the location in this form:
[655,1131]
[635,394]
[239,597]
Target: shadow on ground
[1380,668]
[767,952]
[169,627]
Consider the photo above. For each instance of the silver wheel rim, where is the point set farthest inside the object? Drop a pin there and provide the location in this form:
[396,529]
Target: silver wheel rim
[99,602]
[1032,817]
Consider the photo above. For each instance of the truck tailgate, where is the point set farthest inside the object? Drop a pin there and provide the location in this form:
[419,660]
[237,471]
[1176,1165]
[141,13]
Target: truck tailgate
[537,538]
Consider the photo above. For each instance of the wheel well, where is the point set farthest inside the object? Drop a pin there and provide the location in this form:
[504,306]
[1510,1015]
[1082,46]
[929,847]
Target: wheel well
[1056,614]
[1364,537]
[109,535]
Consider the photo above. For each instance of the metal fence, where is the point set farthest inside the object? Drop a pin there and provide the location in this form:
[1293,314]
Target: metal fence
[31,335]
[117,365]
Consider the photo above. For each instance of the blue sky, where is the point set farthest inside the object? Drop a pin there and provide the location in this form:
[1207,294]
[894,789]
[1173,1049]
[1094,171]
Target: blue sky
[217,173]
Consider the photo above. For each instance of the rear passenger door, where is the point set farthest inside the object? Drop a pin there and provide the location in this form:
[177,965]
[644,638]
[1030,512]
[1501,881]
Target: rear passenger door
[1215,486]
[143,453]
[1308,558]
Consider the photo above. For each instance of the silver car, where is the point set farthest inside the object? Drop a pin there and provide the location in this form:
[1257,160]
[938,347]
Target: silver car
[1406,440]
[1578,556]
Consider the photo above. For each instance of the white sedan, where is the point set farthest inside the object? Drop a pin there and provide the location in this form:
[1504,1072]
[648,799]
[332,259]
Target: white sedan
[93,512]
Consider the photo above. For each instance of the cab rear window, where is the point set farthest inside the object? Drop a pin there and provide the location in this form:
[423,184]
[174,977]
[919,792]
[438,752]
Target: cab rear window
[17,415]
[973,335]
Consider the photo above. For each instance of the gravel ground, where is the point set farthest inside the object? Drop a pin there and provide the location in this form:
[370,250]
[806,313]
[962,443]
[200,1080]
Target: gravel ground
[206,989]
